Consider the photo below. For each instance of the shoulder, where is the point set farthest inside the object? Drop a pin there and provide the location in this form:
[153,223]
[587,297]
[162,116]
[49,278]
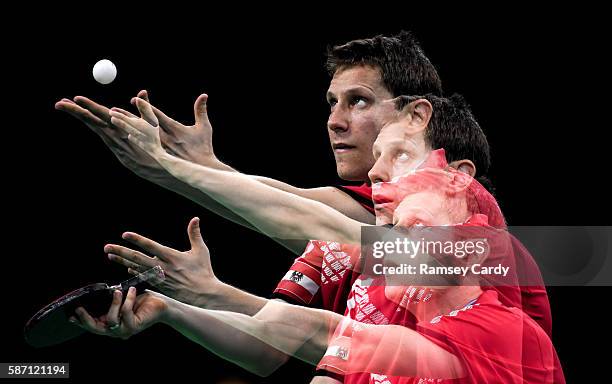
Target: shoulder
[480,323]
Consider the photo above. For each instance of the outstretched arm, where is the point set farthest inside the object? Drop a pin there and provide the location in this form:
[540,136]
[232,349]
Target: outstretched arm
[305,333]
[189,274]
[140,312]
[273,211]
[194,143]
[287,329]
[97,118]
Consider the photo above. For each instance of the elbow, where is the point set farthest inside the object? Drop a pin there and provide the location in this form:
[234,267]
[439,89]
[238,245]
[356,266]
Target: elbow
[264,358]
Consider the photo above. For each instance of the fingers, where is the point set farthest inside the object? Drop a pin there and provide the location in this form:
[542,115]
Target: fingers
[136,258]
[149,245]
[167,124]
[111,137]
[150,116]
[64,100]
[98,110]
[121,120]
[200,110]
[140,132]
[80,113]
[124,123]
[118,322]
[143,95]
[112,317]
[126,263]
[127,310]
[87,322]
[146,112]
[124,112]
[193,231]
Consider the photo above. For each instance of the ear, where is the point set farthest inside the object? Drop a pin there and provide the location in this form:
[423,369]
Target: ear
[417,112]
[421,111]
[459,183]
[465,166]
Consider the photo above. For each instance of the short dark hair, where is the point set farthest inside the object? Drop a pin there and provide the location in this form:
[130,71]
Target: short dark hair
[404,68]
[453,127]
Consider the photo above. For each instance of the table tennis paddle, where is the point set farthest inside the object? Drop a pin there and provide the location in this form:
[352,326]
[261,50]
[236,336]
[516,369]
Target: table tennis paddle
[50,325]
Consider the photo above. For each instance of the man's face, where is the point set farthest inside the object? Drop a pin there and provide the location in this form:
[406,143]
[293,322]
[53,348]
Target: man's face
[360,107]
[428,207]
[398,150]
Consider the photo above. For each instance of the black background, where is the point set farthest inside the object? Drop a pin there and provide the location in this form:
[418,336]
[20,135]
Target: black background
[535,80]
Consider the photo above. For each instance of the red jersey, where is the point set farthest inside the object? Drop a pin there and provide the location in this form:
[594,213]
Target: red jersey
[321,277]
[362,194]
[521,353]
[532,299]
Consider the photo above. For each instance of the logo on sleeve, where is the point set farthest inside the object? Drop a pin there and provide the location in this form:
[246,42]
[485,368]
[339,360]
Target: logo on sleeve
[296,276]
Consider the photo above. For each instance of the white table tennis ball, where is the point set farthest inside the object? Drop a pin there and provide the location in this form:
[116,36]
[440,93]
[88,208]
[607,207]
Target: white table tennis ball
[104,71]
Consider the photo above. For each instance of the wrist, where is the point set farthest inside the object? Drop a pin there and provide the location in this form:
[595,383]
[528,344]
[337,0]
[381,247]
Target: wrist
[168,162]
[162,157]
[171,313]
[214,296]
[211,161]
[204,158]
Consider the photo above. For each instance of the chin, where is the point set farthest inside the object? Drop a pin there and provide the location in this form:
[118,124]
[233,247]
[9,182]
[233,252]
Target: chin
[383,220]
[349,173]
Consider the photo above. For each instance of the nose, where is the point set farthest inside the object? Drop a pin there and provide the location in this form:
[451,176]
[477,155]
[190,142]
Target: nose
[378,173]
[338,120]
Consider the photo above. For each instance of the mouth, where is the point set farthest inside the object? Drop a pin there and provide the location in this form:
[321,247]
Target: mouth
[383,193]
[381,199]
[384,206]
[342,147]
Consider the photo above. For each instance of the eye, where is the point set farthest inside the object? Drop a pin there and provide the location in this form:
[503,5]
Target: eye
[332,103]
[403,157]
[359,101]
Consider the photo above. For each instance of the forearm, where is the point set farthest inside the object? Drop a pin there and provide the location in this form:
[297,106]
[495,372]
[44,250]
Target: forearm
[275,212]
[293,330]
[228,298]
[304,333]
[330,196]
[171,183]
[199,197]
[223,339]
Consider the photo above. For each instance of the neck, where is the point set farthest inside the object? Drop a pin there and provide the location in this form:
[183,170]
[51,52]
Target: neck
[443,301]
